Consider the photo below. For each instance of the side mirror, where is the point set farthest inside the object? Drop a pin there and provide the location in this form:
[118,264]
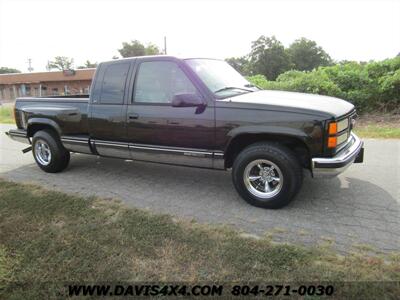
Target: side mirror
[187,100]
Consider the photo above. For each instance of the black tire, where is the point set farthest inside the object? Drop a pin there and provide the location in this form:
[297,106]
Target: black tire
[59,158]
[284,160]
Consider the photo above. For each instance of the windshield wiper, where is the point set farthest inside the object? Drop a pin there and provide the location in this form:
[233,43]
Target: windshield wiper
[232,88]
[250,85]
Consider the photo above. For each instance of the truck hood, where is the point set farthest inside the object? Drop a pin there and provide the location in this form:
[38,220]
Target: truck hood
[298,101]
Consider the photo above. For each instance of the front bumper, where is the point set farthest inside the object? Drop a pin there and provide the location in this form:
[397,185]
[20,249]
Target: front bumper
[19,135]
[330,167]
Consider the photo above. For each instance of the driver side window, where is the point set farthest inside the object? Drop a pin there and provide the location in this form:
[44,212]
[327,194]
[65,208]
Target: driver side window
[160,81]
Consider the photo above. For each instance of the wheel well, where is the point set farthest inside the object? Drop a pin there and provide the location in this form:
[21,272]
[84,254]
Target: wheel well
[32,129]
[242,141]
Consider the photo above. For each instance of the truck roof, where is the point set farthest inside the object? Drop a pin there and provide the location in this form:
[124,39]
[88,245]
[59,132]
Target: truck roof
[155,56]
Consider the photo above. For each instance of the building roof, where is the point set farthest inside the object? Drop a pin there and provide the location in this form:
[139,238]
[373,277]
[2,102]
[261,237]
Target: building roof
[38,77]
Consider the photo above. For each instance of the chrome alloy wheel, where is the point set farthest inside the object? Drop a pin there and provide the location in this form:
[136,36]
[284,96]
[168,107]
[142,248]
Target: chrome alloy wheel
[263,178]
[42,152]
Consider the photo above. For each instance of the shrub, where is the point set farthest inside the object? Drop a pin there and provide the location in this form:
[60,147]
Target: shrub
[389,88]
[373,86]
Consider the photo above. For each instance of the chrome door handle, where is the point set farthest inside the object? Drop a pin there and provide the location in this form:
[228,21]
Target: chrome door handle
[133,116]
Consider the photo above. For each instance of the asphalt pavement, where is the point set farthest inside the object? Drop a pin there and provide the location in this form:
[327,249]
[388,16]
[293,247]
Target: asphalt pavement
[358,209]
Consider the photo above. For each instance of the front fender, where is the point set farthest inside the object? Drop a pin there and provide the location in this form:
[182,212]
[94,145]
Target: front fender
[271,130]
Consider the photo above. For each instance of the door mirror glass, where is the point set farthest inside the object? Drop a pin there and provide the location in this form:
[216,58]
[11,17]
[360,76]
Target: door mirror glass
[187,100]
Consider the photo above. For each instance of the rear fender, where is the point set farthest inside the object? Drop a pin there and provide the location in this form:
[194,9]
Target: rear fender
[43,121]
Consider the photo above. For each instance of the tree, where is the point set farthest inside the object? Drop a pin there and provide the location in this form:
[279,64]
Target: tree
[240,64]
[268,57]
[5,70]
[152,49]
[61,63]
[88,65]
[136,48]
[306,55]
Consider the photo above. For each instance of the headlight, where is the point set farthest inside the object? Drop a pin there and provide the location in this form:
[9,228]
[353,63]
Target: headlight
[342,125]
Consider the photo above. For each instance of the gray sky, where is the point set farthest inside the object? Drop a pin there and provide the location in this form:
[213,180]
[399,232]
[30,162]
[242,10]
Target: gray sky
[94,30]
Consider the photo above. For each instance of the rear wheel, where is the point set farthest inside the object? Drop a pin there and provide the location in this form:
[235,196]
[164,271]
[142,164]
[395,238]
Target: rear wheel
[267,175]
[49,153]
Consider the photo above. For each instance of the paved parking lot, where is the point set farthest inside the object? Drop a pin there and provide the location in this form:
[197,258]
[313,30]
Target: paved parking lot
[360,207]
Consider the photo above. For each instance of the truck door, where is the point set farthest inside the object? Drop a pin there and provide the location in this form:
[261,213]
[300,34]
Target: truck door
[156,130]
[107,121]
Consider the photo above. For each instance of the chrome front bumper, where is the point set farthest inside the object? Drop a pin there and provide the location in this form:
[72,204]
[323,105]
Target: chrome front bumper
[332,166]
[19,135]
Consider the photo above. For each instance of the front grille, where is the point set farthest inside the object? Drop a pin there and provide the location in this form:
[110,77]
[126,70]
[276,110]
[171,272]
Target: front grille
[352,119]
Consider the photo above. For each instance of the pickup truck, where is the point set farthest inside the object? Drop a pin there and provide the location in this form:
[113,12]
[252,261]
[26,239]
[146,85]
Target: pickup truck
[195,112]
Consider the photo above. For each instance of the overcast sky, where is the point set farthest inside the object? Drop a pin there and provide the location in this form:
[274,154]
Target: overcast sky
[94,30]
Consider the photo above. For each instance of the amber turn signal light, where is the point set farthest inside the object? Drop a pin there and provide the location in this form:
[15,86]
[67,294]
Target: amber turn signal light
[332,142]
[332,128]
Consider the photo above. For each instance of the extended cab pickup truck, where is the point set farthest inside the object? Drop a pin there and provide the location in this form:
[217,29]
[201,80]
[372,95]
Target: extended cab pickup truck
[195,112]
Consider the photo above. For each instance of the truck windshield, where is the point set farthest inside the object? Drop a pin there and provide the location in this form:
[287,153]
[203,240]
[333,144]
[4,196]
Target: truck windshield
[223,80]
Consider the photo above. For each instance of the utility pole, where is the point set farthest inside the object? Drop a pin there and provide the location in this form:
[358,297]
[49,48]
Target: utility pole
[30,69]
[165,45]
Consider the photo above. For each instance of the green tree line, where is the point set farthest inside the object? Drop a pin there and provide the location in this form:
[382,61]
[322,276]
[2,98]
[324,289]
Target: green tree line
[5,70]
[270,58]
[372,86]
[306,67]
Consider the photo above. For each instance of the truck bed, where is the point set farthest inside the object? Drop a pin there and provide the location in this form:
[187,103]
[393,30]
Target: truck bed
[69,112]
[56,98]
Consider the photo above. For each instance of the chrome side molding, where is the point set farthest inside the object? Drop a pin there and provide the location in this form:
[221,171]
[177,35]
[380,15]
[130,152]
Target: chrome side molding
[152,153]
[19,135]
[173,155]
[76,144]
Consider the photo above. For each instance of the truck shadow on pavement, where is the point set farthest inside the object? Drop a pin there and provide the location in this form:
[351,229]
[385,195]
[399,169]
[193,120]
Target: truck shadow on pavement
[343,211]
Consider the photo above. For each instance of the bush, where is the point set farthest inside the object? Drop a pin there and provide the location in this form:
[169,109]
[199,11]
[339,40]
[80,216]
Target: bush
[373,86]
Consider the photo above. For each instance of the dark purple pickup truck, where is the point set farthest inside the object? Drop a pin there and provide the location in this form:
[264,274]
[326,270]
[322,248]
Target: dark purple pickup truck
[195,112]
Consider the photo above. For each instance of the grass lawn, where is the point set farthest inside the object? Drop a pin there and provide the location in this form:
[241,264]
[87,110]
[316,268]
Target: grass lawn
[52,237]
[378,126]
[6,114]
[378,132]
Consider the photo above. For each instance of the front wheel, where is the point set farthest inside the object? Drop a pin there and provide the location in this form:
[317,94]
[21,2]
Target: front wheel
[50,155]
[267,175]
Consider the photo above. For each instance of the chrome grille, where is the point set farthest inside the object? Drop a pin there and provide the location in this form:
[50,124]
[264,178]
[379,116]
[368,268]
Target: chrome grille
[353,121]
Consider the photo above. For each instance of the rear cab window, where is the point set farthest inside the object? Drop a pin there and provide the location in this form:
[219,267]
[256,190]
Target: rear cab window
[110,84]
